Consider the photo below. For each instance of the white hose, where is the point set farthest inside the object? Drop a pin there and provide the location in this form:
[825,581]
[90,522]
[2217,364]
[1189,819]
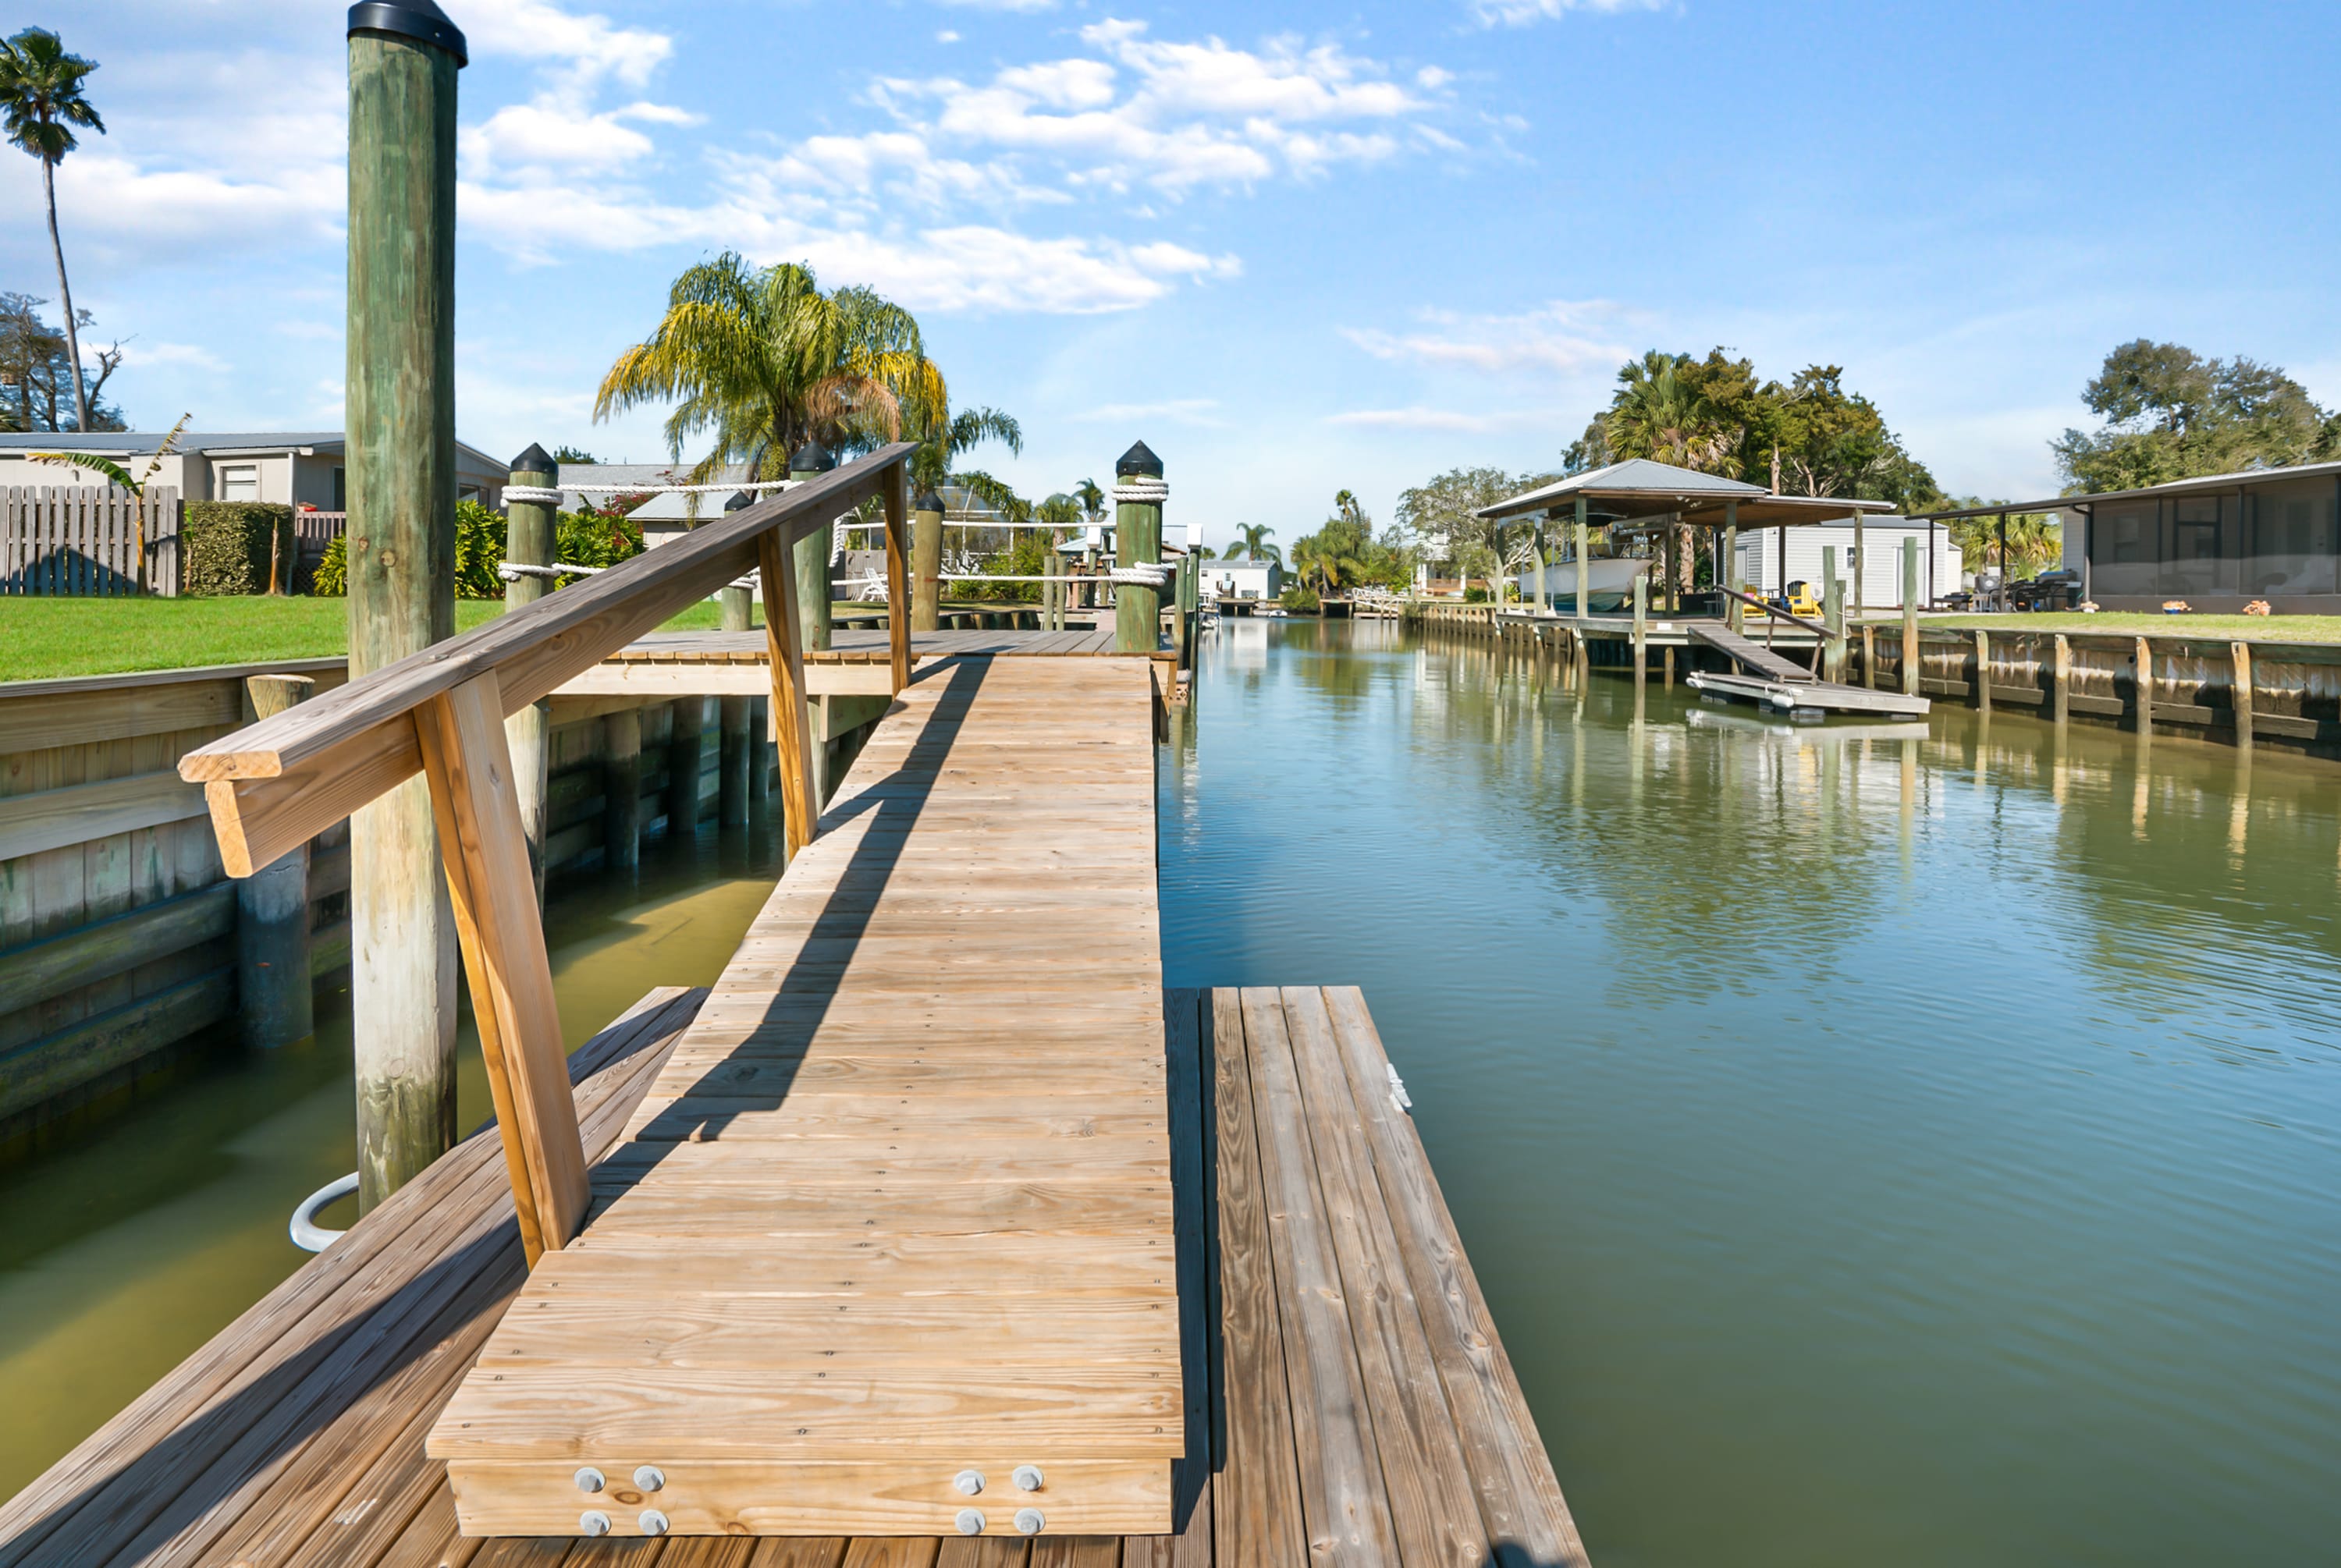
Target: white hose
[307,1233]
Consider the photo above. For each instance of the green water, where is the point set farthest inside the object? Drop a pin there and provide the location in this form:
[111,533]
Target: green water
[126,1251]
[1875,1150]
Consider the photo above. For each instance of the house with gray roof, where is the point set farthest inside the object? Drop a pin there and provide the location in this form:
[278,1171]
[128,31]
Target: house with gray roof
[298,467]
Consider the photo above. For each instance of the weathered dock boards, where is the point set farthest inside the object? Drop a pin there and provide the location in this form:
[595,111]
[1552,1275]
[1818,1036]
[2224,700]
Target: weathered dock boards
[899,1207]
[1341,1369]
[1828,696]
[1747,654]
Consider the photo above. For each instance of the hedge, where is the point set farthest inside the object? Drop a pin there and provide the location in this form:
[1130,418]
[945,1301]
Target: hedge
[223,545]
[583,537]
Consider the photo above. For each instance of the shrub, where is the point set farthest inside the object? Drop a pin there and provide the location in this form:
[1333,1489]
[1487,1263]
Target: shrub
[582,538]
[1299,600]
[224,546]
[1475,596]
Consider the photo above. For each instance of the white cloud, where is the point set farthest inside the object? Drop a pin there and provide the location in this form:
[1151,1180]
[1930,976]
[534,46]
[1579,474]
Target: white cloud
[946,37]
[1519,12]
[1566,338]
[143,355]
[584,48]
[1194,410]
[1439,419]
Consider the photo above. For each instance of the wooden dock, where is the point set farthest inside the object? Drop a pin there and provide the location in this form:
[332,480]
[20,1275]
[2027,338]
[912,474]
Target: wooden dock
[1345,1397]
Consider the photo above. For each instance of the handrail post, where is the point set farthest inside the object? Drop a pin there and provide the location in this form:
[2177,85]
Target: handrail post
[461,734]
[898,574]
[529,540]
[927,563]
[791,721]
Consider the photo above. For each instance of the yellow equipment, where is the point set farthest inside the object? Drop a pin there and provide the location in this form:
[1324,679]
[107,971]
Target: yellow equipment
[1801,600]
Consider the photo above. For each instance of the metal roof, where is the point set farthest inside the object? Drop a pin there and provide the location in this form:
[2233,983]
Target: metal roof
[1661,485]
[2172,487]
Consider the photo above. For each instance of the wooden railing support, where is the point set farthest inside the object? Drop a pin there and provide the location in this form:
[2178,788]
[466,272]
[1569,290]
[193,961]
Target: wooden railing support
[791,717]
[898,576]
[461,734]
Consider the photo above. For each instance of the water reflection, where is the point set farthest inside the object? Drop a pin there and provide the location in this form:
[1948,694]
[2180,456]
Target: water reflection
[1880,1143]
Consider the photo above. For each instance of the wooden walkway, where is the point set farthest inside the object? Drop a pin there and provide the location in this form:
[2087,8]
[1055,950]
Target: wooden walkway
[1345,1396]
[1746,654]
[899,1208]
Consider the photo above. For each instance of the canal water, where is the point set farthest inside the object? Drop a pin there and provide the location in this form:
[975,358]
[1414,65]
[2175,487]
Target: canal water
[1911,1146]
[1907,1146]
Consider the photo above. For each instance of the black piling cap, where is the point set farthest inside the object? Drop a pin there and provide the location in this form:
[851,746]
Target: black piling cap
[535,459]
[411,19]
[741,499]
[1138,459]
[929,502]
[811,458]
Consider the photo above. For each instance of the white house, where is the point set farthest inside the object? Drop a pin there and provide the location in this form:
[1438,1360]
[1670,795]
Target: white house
[1243,579]
[298,467]
[1764,567]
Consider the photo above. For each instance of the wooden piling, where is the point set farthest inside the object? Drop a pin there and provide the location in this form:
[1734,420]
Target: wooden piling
[733,762]
[1910,661]
[1582,552]
[1870,656]
[529,540]
[1732,608]
[621,789]
[926,562]
[684,748]
[1641,631]
[273,1003]
[2144,684]
[400,459]
[814,608]
[1983,670]
[1832,615]
[1138,493]
[2241,652]
[759,752]
[2063,677]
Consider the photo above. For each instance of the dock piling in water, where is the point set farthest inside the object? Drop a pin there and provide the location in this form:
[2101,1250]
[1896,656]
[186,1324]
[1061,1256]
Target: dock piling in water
[529,533]
[274,989]
[1910,616]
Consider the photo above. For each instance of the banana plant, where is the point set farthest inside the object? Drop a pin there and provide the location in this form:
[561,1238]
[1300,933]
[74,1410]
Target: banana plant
[116,473]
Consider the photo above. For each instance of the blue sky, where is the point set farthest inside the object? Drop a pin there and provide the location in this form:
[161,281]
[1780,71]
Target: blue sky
[1294,250]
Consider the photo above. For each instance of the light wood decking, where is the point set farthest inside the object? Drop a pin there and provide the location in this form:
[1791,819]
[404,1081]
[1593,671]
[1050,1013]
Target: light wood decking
[899,1207]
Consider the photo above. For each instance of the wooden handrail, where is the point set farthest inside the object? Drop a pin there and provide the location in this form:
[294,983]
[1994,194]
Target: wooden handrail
[273,785]
[1778,613]
[278,783]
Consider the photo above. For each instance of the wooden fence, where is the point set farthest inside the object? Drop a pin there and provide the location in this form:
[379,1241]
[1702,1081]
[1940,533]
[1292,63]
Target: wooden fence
[82,540]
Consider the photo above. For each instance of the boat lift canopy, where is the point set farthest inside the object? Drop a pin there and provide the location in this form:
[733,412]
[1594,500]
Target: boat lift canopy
[1639,488]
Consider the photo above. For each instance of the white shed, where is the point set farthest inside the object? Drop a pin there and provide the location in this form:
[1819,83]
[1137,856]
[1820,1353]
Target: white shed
[1243,579]
[1764,571]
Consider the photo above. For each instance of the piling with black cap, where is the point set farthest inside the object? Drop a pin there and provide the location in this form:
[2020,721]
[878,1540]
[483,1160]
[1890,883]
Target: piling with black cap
[403,55]
[531,505]
[733,601]
[1138,493]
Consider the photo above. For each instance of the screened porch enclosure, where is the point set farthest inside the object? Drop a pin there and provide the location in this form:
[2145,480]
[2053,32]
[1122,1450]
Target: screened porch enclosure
[2275,540]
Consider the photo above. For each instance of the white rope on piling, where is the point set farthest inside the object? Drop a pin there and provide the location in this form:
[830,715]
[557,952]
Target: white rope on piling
[1144,574]
[1141,490]
[512,572]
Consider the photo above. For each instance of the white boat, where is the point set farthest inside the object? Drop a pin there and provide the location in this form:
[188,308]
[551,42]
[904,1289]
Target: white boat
[1608,584]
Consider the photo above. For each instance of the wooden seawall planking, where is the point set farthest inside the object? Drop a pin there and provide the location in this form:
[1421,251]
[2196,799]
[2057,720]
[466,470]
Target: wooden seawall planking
[1345,1395]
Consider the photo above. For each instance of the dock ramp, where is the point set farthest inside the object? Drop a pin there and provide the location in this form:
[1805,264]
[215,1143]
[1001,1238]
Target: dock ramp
[887,1249]
[1748,655]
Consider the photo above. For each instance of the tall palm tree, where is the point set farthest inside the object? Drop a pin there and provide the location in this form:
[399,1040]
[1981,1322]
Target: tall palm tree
[40,103]
[943,435]
[1658,414]
[1252,544]
[1092,501]
[767,361]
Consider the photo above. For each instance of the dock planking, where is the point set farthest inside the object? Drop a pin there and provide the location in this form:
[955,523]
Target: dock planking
[253,1451]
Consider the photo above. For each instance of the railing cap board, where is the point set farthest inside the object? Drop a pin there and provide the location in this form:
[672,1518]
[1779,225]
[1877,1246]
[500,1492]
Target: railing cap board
[532,649]
[80,685]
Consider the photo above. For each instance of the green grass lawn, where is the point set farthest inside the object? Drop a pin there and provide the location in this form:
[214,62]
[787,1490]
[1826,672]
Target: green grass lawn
[44,639]
[2244,628]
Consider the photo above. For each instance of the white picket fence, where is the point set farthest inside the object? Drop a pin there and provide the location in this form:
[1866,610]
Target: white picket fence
[82,540]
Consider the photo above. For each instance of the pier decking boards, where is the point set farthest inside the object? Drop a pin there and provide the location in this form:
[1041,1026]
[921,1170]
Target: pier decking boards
[1345,1397]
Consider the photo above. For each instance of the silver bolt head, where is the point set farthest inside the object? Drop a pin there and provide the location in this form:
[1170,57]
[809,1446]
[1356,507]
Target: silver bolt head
[1029,1521]
[969,1521]
[969,1481]
[589,1479]
[649,1477]
[652,1522]
[1027,1478]
[592,1521]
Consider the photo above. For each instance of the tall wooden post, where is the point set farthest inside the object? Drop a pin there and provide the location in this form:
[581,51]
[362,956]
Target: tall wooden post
[1641,632]
[897,502]
[1870,656]
[2144,682]
[273,993]
[1860,564]
[685,749]
[791,721]
[622,790]
[1053,593]
[1733,611]
[401,431]
[813,620]
[1983,670]
[532,503]
[926,562]
[1832,614]
[1138,496]
[731,761]
[1910,616]
[732,604]
[1584,566]
[2241,687]
[1183,619]
[1544,599]
[2064,677]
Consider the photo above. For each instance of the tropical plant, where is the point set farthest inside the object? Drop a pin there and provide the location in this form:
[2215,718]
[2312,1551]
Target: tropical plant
[1092,501]
[1059,510]
[1301,599]
[943,435]
[586,537]
[1205,552]
[41,102]
[2035,542]
[1252,544]
[117,474]
[765,361]
[567,454]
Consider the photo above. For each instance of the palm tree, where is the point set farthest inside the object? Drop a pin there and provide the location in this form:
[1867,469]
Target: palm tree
[767,361]
[40,102]
[1345,504]
[943,435]
[1658,416]
[1092,501]
[1323,562]
[1252,544]
[1061,510]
